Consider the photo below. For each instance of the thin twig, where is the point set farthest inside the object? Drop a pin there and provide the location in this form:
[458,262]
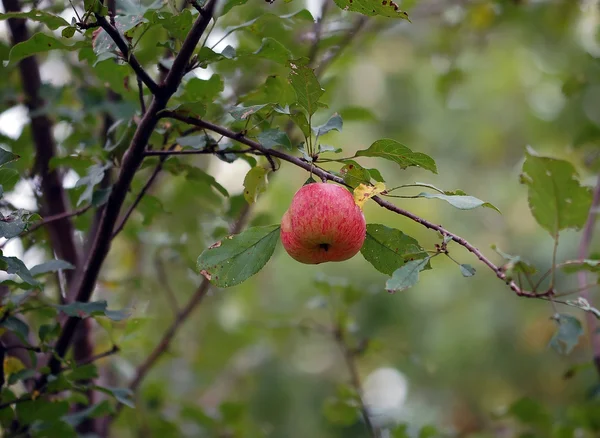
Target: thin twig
[138,198]
[49,219]
[582,276]
[164,282]
[114,350]
[123,46]
[349,37]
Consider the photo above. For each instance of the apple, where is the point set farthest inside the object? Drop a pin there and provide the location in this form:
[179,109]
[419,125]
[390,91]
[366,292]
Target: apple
[323,224]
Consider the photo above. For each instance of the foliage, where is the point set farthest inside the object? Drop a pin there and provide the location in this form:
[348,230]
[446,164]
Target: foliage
[125,144]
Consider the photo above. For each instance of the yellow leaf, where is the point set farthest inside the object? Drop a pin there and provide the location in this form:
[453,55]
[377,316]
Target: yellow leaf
[364,192]
[12,365]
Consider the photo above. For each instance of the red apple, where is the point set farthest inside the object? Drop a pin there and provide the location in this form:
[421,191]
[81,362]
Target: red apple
[323,224]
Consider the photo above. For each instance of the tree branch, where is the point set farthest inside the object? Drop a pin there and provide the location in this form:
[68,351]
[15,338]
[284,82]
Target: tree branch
[130,163]
[54,198]
[324,175]
[139,197]
[201,152]
[123,46]
[582,276]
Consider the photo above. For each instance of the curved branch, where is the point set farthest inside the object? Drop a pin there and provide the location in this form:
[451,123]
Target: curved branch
[114,33]
[323,174]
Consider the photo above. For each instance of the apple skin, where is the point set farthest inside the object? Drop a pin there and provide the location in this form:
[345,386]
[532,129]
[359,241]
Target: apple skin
[323,224]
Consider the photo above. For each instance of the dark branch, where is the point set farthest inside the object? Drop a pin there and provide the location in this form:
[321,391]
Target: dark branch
[123,46]
[202,152]
[139,197]
[54,199]
[323,174]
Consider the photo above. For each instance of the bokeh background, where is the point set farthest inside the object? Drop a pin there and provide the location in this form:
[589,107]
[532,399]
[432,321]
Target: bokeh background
[472,84]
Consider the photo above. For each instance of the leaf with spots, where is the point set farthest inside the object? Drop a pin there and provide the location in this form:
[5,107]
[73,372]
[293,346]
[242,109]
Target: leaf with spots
[236,258]
[385,8]
[255,183]
[388,249]
[306,85]
[556,198]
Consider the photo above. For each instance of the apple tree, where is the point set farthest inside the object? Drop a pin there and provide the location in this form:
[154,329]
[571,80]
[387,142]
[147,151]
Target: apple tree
[121,120]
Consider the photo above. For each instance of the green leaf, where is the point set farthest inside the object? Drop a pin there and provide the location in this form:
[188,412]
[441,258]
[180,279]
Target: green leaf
[48,332]
[271,138]
[406,276]
[8,178]
[7,157]
[460,201]
[52,21]
[255,183]
[103,44]
[122,395]
[51,266]
[556,198]
[94,176]
[244,112]
[40,43]
[197,174]
[567,335]
[236,258]
[197,142]
[16,326]
[299,118]
[68,32]
[13,265]
[398,153]
[467,270]
[388,249]
[274,50]
[354,174]
[178,25]
[306,85]
[83,372]
[582,265]
[229,4]
[203,90]
[12,225]
[93,308]
[40,410]
[333,124]
[385,8]
[514,264]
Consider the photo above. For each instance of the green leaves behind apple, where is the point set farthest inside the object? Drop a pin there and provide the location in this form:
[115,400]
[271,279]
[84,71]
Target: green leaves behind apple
[234,259]
[388,249]
[556,198]
[354,174]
